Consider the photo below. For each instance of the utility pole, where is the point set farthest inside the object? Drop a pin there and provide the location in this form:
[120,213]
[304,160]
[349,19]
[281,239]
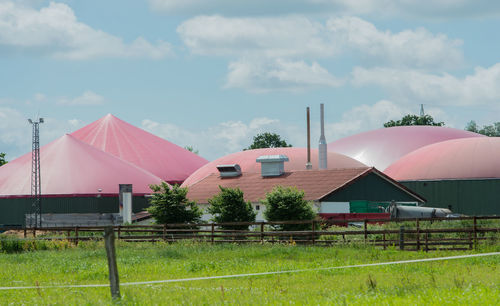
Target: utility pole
[36,185]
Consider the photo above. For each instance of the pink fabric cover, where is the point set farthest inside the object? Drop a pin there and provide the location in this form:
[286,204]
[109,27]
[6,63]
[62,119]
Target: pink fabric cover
[297,161]
[72,167]
[152,153]
[382,147]
[453,159]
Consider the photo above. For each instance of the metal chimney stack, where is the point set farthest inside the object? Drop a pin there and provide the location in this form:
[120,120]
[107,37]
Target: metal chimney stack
[323,162]
[308,164]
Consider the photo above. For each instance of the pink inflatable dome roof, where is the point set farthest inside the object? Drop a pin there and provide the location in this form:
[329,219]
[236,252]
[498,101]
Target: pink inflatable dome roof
[453,159]
[297,161]
[70,167]
[382,147]
[152,153]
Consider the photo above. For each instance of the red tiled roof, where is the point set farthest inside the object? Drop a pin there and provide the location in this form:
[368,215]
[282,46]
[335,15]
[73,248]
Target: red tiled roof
[315,183]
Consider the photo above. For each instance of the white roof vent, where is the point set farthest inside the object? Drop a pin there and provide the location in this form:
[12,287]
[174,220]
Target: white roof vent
[272,165]
[232,170]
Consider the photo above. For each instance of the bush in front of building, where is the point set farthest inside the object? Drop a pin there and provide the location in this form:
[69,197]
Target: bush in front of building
[288,204]
[169,205]
[230,206]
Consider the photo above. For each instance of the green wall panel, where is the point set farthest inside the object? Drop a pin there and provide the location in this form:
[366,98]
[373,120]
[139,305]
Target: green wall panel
[12,211]
[470,197]
[370,188]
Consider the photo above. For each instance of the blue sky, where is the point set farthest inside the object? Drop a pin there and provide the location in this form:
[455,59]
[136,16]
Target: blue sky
[212,74]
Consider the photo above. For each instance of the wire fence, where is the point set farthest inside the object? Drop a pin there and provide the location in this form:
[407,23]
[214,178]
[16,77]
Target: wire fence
[406,234]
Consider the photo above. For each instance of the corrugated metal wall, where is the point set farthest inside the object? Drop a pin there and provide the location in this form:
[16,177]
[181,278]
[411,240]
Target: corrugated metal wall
[470,197]
[12,211]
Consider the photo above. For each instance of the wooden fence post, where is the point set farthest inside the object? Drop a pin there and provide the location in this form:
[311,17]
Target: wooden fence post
[366,233]
[109,241]
[313,232]
[262,232]
[475,232]
[427,241]
[401,237]
[25,234]
[383,237]
[76,235]
[418,235]
[213,233]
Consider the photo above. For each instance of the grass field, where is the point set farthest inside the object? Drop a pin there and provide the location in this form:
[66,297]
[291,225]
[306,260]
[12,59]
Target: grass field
[473,281]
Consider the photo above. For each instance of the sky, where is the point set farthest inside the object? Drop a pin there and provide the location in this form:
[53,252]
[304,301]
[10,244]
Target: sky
[213,74]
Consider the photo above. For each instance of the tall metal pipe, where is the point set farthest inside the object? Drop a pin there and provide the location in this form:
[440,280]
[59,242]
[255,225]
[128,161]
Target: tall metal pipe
[322,149]
[308,164]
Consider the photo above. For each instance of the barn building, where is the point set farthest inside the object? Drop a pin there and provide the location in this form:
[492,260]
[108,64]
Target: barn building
[463,174]
[81,173]
[247,161]
[333,191]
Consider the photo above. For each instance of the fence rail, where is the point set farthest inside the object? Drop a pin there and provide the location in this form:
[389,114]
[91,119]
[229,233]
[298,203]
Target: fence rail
[406,234]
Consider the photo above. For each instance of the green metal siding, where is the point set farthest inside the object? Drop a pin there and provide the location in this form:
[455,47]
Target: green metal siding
[470,197]
[370,188]
[12,211]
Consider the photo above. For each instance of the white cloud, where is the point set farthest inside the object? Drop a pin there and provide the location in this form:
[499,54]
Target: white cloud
[271,52]
[223,138]
[278,75]
[87,98]
[414,48]
[365,117]
[55,31]
[385,8]
[294,36]
[268,37]
[15,131]
[480,88]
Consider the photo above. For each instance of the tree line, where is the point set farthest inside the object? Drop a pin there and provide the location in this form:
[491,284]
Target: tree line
[170,205]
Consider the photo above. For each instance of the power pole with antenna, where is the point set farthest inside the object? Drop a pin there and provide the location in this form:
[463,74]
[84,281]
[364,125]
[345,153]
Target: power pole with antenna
[36,185]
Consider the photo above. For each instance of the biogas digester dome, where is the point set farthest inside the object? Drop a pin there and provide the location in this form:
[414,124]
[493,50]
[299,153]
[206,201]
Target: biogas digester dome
[297,161]
[463,174]
[382,147]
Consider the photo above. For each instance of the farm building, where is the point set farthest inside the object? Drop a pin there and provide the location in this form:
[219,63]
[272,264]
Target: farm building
[382,147]
[342,190]
[81,172]
[463,174]
[76,178]
[247,161]
[162,158]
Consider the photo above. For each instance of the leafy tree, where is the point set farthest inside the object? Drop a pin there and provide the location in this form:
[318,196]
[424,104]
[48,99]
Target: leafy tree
[170,205]
[229,206]
[2,159]
[267,140]
[414,120]
[192,149]
[288,203]
[492,130]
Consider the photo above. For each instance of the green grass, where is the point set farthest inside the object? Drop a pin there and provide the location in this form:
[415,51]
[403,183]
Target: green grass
[474,281]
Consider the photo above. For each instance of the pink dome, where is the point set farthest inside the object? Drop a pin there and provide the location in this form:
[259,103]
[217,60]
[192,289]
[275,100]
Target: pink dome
[453,159]
[145,150]
[382,147]
[71,167]
[297,161]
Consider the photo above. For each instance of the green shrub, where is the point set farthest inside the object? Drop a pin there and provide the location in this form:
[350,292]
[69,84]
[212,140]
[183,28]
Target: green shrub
[229,206]
[287,204]
[170,205]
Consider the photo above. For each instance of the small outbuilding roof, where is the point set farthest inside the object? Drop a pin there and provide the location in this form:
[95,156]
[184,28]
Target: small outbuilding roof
[248,161]
[316,184]
[143,149]
[70,167]
[382,147]
[467,158]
